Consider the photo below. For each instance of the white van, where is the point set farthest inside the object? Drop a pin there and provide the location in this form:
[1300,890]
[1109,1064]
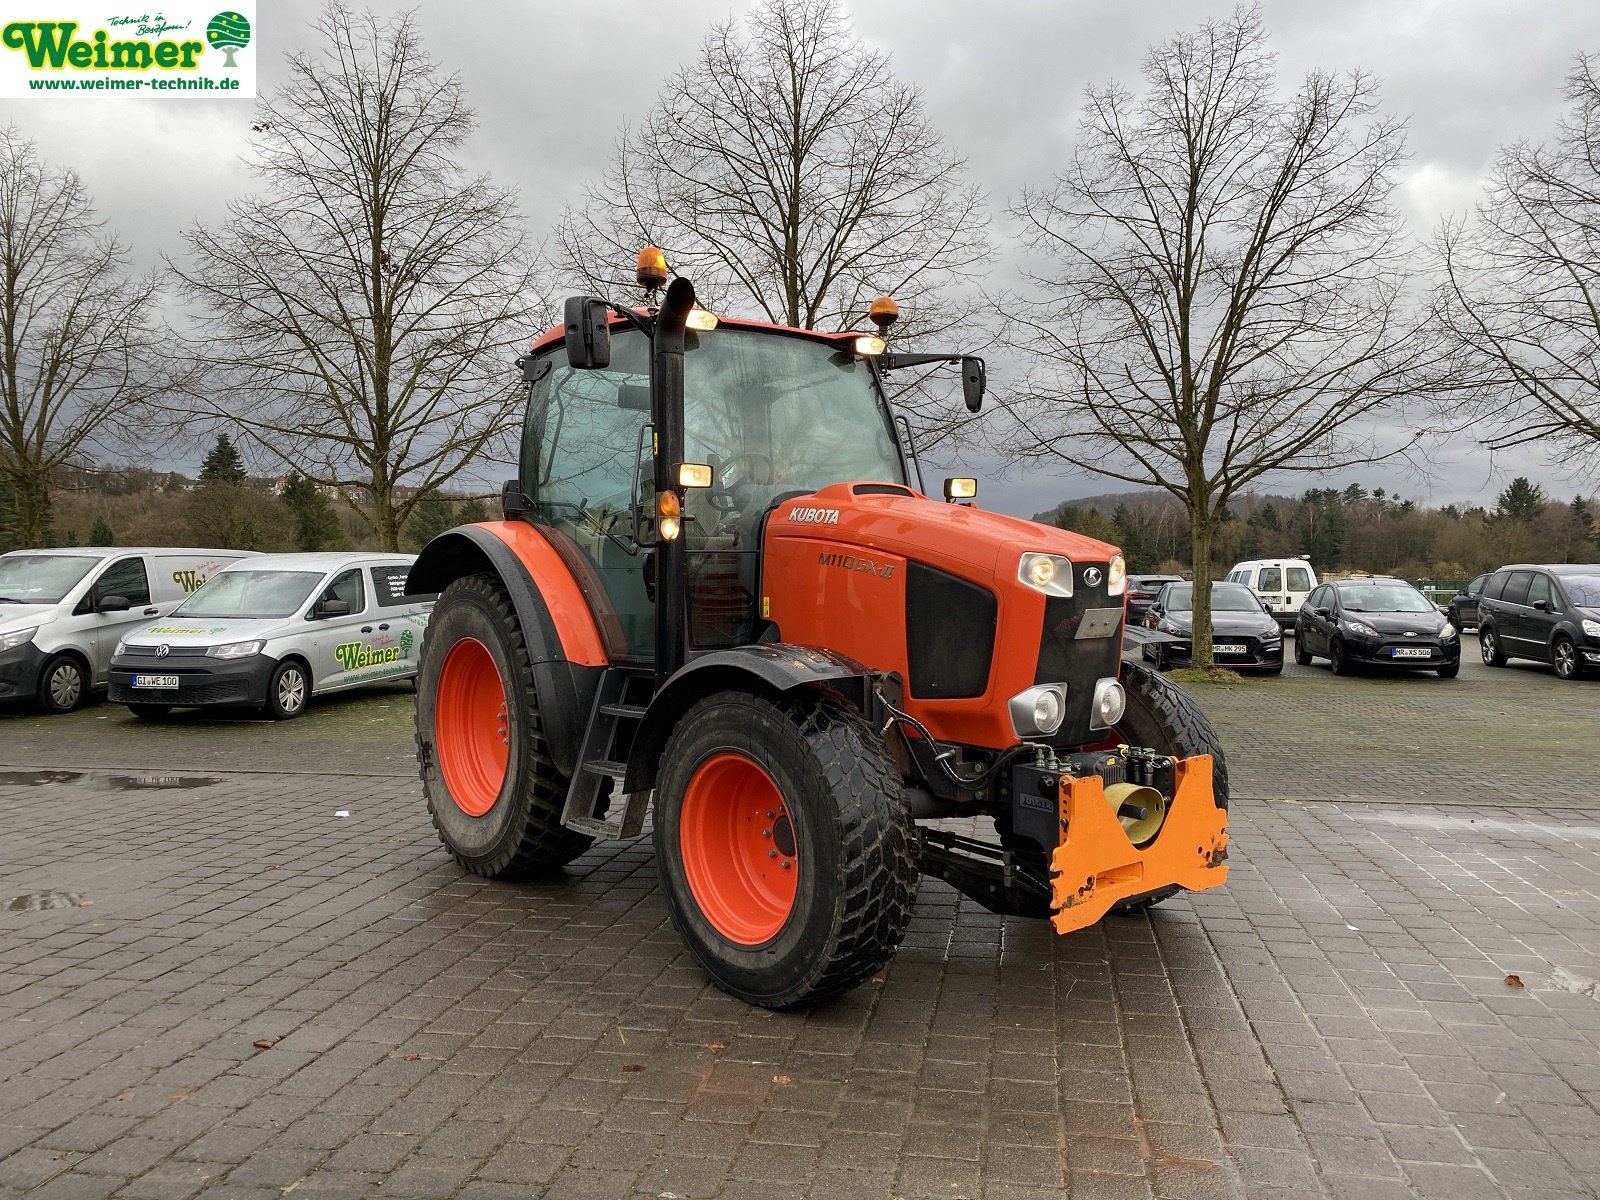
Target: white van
[1282,584]
[275,630]
[62,612]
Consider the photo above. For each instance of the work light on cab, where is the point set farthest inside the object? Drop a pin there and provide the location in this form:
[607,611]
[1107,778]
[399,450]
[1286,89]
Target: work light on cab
[669,516]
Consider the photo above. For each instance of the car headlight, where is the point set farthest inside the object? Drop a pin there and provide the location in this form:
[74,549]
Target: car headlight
[1448,633]
[21,637]
[1361,629]
[1108,705]
[1272,635]
[1116,576]
[1592,628]
[122,646]
[235,650]
[1047,573]
[1166,626]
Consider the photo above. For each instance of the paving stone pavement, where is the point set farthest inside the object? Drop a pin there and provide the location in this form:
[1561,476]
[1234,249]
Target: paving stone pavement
[212,984]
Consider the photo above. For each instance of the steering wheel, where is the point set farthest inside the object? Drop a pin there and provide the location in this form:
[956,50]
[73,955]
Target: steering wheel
[752,466]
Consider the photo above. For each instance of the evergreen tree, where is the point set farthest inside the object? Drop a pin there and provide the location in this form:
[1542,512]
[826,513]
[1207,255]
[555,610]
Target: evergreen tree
[315,524]
[1521,502]
[72,538]
[431,517]
[100,532]
[223,464]
[472,512]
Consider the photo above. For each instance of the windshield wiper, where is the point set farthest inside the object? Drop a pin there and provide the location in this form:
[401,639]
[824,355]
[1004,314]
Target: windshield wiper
[11,600]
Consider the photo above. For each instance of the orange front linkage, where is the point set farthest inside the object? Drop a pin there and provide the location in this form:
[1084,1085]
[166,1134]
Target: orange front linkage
[1096,865]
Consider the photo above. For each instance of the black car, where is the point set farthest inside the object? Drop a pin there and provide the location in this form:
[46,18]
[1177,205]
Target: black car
[1244,634]
[1550,614]
[1463,610]
[1385,622]
[1142,591]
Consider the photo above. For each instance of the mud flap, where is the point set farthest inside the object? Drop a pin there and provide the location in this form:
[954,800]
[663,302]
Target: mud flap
[1096,866]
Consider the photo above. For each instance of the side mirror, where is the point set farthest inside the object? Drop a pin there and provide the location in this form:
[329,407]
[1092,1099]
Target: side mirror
[588,333]
[513,504]
[1324,612]
[973,378]
[1542,605]
[332,608]
[109,604]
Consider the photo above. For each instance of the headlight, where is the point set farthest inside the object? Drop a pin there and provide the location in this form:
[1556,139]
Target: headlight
[1166,626]
[1592,628]
[235,650]
[122,646]
[1108,705]
[21,637]
[1272,635]
[1047,573]
[1116,576]
[1039,709]
[1448,633]
[1361,629]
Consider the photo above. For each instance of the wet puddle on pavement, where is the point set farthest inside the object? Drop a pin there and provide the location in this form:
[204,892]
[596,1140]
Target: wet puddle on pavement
[109,783]
[39,901]
[37,778]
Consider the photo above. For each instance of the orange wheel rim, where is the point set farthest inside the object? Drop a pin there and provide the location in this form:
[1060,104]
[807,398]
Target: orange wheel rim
[471,727]
[738,848]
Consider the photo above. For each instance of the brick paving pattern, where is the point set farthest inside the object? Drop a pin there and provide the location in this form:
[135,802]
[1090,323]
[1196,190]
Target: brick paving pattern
[212,985]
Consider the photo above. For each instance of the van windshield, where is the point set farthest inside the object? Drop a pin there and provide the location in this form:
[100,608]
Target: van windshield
[251,594]
[41,578]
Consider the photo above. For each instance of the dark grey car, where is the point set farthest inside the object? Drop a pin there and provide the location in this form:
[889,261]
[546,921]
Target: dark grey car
[1547,613]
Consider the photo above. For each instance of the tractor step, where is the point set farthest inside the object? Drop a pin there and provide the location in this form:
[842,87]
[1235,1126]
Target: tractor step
[610,716]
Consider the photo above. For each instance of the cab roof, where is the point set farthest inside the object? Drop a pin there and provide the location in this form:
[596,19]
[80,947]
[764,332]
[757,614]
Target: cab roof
[556,334]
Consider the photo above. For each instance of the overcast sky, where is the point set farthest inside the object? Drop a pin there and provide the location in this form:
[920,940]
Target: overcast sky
[1003,81]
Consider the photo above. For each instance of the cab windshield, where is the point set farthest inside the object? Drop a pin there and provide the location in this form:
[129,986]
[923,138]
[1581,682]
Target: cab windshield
[1583,590]
[773,414]
[250,595]
[41,578]
[1386,598]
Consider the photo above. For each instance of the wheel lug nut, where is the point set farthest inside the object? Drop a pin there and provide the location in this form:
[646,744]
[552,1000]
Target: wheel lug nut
[771,812]
[774,854]
[766,833]
[787,864]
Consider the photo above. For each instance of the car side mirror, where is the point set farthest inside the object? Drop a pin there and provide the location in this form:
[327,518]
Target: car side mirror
[1542,605]
[111,604]
[1324,612]
[333,608]
[588,333]
[974,376]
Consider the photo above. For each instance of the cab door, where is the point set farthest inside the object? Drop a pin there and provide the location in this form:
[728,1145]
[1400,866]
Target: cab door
[1543,613]
[127,578]
[396,621]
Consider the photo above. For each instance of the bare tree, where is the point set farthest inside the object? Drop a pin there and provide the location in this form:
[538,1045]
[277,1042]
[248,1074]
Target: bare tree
[79,346]
[362,308]
[1223,294]
[786,167]
[1522,287]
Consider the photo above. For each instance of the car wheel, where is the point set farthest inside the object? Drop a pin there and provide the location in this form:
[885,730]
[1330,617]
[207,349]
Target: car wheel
[288,690]
[1455,620]
[1337,658]
[62,684]
[1302,656]
[1450,670]
[1489,646]
[1564,657]
[150,712]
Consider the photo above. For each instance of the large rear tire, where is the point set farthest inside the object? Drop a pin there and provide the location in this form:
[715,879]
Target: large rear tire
[1160,714]
[783,845]
[493,792]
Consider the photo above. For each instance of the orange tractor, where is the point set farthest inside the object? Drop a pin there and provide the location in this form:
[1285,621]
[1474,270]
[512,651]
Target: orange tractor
[717,597]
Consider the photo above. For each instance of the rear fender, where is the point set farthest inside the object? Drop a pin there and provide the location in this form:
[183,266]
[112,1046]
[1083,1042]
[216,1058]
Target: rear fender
[769,669]
[564,644]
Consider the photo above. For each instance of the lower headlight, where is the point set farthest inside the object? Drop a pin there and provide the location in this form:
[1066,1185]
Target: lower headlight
[1108,705]
[21,637]
[235,650]
[1039,710]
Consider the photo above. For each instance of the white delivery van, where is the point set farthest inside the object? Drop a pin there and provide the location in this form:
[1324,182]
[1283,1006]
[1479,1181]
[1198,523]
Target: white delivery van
[275,630]
[62,612]
[1282,584]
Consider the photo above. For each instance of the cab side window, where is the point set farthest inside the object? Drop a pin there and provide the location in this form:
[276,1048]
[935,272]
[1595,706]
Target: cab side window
[347,587]
[1476,585]
[1539,590]
[1516,591]
[1495,584]
[124,578]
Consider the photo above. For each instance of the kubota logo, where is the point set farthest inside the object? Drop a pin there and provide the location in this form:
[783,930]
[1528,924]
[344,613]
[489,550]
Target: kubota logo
[815,516]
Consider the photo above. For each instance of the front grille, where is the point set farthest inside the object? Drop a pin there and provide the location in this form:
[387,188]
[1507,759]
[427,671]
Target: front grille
[1064,657]
[172,652]
[950,626]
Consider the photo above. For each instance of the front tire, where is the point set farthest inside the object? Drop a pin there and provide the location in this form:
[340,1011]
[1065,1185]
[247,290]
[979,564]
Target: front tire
[288,690]
[1450,670]
[1302,656]
[493,792]
[783,845]
[1489,646]
[1564,657]
[63,684]
[1338,660]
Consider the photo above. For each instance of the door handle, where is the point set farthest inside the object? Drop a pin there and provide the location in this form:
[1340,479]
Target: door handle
[150,612]
[385,625]
[366,629]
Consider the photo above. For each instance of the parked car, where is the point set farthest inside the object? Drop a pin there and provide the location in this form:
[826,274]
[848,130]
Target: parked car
[1282,584]
[1462,610]
[1377,620]
[1546,613]
[1142,590]
[62,611]
[273,631]
[1244,634]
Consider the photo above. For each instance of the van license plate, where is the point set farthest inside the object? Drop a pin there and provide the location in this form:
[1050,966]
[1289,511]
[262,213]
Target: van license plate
[155,681]
[1228,648]
[1412,652]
